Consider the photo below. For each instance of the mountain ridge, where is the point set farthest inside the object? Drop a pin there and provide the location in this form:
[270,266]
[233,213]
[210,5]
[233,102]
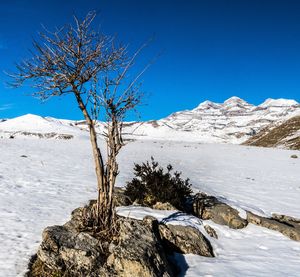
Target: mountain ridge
[233,121]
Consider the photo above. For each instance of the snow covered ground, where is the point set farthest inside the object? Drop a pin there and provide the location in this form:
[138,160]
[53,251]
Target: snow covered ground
[43,180]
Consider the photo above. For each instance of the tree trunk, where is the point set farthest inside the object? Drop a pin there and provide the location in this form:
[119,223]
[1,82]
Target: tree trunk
[104,215]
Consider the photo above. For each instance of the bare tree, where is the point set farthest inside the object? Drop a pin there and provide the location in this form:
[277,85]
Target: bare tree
[80,61]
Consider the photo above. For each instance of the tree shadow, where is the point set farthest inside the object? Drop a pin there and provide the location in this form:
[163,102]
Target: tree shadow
[179,262]
[175,256]
[183,219]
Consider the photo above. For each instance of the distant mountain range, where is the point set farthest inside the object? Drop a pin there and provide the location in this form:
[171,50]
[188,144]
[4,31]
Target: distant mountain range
[234,121]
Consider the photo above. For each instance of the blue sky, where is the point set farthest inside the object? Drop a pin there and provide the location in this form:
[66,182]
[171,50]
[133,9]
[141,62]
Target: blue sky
[212,49]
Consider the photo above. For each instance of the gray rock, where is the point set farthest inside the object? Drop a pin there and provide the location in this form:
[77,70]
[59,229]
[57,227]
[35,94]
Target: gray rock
[291,231]
[163,206]
[120,198]
[139,252]
[71,252]
[67,251]
[287,219]
[209,207]
[211,231]
[185,240]
[82,216]
[138,249]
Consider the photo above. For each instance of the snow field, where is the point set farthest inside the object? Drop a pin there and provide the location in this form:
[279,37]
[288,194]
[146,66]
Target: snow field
[57,176]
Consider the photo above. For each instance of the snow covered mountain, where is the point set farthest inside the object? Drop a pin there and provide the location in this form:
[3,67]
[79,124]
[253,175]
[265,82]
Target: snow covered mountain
[42,181]
[234,121]
[31,125]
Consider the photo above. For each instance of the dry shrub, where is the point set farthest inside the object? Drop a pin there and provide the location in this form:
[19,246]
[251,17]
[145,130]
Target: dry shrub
[153,184]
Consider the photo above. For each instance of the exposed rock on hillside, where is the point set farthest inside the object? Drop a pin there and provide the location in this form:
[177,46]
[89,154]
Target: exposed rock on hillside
[185,240]
[138,252]
[209,207]
[51,135]
[287,219]
[211,231]
[285,225]
[285,135]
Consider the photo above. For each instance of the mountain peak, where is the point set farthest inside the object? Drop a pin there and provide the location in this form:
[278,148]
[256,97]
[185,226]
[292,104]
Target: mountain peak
[235,104]
[235,100]
[29,117]
[207,104]
[278,103]
[33,123]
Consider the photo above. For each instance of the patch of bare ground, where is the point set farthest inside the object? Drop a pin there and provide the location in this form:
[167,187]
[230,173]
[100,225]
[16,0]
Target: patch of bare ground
[283,135]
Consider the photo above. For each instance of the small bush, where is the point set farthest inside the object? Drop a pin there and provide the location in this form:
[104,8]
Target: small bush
[152,184]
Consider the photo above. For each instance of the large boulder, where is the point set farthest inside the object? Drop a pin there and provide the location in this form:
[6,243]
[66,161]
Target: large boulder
[70,251]
[139,252]
[185,240]
[66,250]
[139,248]
[283,225]
[209,207]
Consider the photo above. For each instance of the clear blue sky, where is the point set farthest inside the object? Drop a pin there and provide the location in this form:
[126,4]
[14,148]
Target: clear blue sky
[212,49]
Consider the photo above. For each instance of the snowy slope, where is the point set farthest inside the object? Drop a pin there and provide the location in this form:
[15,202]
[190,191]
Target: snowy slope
[57,176]
[37,126]
[278,103]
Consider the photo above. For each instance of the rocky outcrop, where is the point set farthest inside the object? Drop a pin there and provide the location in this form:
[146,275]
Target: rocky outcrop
[287,219]
[71,250]
[209,207]
[185,240]
[282,224]
[66,250]
[52,135]
[138,253]
[211,231]
[140,248]
[163,206]
[284,134]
